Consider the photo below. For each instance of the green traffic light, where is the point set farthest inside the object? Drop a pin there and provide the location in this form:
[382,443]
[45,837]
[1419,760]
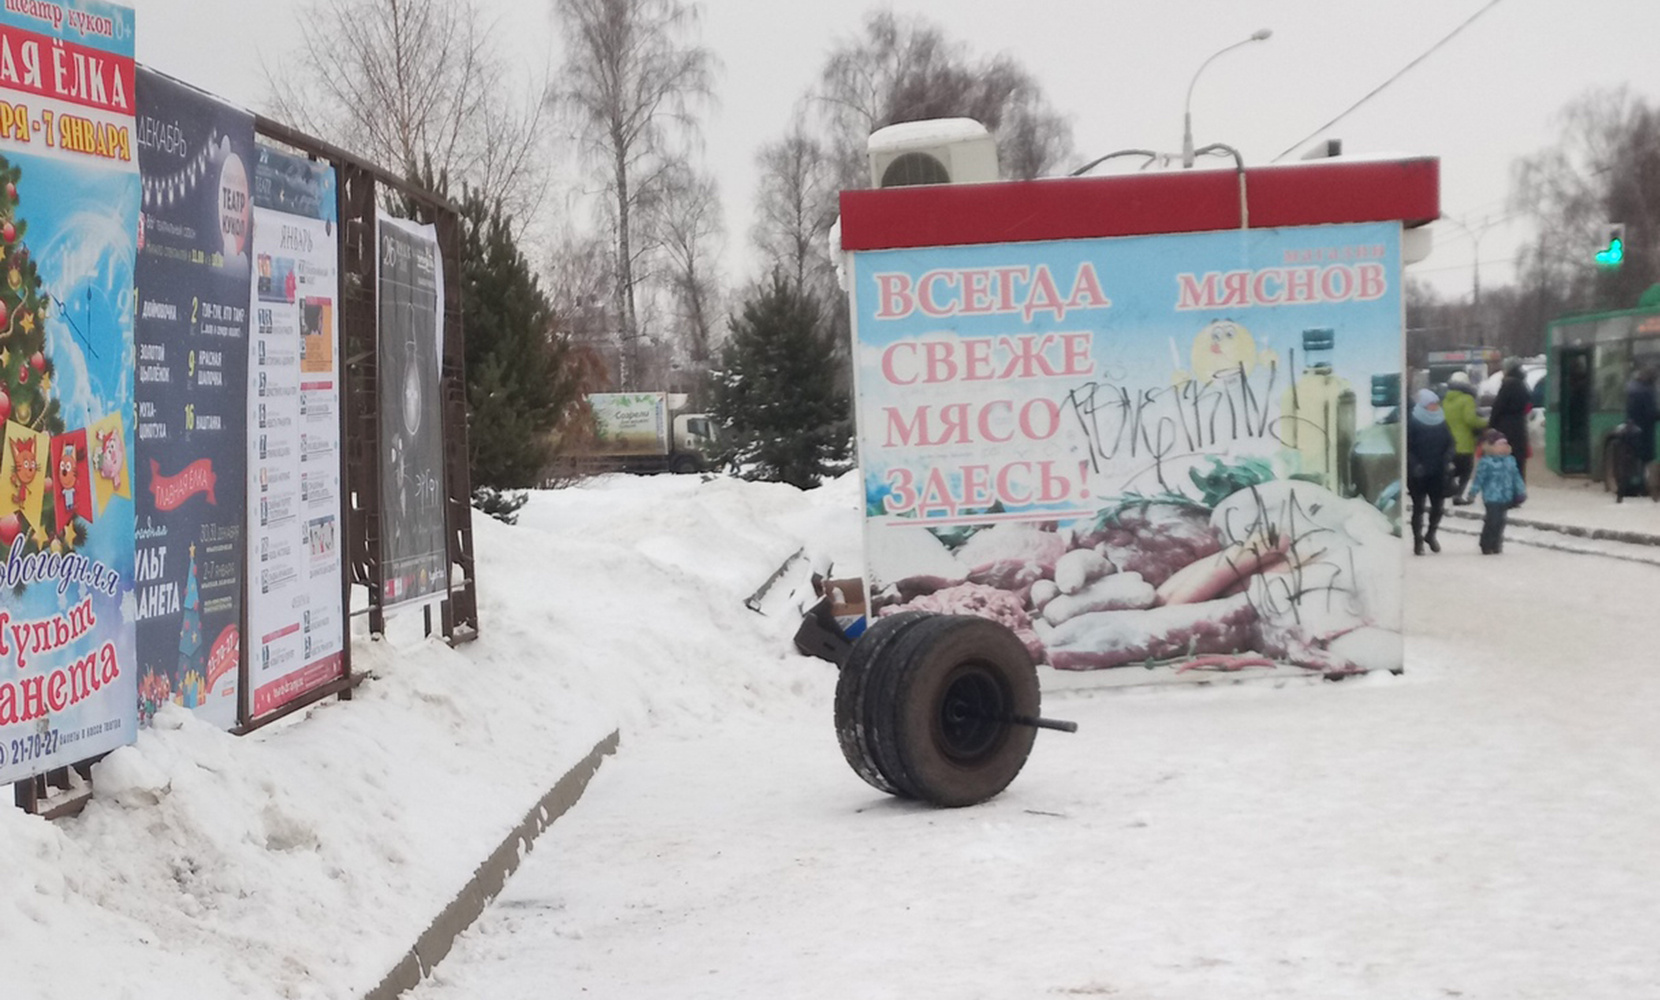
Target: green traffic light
[1612,256]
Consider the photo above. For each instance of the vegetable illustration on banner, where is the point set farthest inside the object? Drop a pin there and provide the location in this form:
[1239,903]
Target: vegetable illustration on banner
[68,214]
[1142,451]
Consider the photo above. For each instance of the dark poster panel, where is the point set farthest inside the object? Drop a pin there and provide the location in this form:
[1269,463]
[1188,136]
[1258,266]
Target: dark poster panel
[413,557]
[195,156]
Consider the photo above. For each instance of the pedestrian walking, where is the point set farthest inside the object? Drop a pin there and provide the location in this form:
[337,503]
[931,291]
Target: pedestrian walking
[1465,423]
[1509,416]
[1429,453]
[1500,485]
[1641,412]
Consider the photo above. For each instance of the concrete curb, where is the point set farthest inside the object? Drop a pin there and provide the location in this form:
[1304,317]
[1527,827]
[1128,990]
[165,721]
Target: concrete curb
[489,878]
[1600,534]
[1562,546]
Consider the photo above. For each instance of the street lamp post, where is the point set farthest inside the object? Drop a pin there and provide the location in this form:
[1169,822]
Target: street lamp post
[1475,275]
[1187,106]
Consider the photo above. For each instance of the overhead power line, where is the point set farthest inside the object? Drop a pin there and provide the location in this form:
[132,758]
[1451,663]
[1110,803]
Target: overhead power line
[1464,231]
[1419,269]
[1379,88]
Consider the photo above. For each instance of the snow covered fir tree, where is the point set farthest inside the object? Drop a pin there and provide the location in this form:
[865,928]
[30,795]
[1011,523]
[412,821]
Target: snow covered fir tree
[776,390]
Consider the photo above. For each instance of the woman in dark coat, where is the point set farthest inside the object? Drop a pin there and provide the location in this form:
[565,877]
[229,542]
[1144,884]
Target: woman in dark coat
[1509,416]
[1429,451]
[1641,413]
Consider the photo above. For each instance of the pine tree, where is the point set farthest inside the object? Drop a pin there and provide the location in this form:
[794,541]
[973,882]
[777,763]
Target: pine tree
[776,392]
[519,382]
[26,370]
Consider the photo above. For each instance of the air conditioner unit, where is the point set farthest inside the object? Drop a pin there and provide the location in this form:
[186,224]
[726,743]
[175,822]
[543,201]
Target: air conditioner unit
[935,151]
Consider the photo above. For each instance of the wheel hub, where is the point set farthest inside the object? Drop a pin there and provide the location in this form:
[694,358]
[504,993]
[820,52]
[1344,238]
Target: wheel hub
[972,715]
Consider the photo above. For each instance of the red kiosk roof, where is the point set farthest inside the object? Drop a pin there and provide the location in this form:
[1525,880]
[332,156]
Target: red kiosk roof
[1302,194]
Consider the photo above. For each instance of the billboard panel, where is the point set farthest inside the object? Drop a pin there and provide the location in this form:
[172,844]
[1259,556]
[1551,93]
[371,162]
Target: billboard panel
[195,155]
[296,622]
[409,330]
[68,214]
[1148,451]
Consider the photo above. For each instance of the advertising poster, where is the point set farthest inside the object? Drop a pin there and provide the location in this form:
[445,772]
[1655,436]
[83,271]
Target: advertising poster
[296,624]
[69,193]
[194,156]
[630,423]
[1155,452]
[409,334]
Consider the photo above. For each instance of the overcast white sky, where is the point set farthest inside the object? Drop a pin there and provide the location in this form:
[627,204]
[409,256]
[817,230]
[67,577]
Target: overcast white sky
[1119,69]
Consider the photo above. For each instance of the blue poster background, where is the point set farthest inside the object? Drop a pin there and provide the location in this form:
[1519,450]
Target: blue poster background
[195,156]
[1190,414]
[68,675]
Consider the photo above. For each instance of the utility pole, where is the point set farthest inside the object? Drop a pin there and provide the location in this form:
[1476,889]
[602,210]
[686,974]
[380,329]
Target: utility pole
[1475,236]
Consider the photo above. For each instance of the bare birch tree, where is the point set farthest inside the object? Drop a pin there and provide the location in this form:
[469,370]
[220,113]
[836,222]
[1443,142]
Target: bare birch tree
[905,69]
[794,209]
[402,82]
[634,83]
[689,231]
[1603,169]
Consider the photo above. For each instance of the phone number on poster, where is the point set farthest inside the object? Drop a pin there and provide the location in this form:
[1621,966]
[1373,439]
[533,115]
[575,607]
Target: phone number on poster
[31,747]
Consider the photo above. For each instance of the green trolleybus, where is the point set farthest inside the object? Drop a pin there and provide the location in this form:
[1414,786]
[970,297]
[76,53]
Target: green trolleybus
[1589,360]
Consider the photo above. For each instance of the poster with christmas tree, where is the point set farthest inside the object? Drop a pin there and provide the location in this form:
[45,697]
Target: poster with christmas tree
[68,219]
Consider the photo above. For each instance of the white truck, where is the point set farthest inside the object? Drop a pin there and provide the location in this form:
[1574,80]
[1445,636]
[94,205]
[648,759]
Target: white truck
[648,432]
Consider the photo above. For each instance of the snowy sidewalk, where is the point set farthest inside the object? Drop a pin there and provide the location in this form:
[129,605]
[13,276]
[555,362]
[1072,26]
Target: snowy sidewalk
[1580,507]
[1483,827]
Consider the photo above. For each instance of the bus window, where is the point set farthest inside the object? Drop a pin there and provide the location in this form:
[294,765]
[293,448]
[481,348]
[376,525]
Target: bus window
[1612,369]
[1645,353]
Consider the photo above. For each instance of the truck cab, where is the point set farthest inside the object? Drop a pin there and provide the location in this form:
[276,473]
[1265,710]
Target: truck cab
[696,442]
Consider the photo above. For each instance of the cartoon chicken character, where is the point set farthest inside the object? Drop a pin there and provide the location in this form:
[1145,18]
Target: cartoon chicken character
[1222,350]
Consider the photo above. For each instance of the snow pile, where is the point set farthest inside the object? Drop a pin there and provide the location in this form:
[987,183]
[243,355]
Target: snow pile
[303,860]
[1481,826]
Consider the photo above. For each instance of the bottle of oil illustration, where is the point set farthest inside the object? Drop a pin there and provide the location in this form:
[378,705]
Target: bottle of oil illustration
[1317,416]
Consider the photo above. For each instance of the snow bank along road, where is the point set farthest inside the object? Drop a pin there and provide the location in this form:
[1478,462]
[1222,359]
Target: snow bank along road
[1485,826]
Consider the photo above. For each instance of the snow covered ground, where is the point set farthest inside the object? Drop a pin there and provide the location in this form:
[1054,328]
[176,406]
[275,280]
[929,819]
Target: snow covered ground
[1486,825]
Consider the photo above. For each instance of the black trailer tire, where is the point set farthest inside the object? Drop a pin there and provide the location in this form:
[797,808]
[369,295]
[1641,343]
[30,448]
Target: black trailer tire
[944,697]
[852,691]
[882,681]
[682,465]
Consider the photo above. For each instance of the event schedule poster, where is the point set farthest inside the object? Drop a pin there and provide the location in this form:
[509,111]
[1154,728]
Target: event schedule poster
[68,212]
[194,155]
[409,330]
[296,625]
[1156,452]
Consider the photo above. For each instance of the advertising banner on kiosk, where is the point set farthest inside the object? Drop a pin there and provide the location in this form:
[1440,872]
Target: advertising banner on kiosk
[1161,452]
[69,202]
[414,559]
[195,156]
[296,620]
